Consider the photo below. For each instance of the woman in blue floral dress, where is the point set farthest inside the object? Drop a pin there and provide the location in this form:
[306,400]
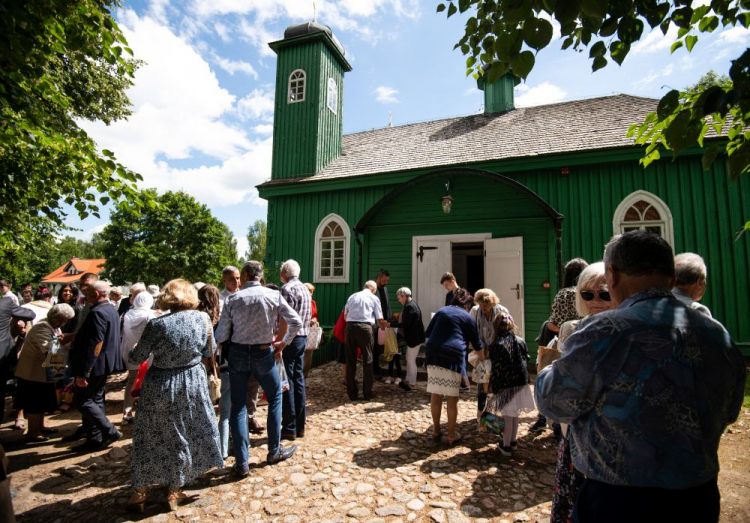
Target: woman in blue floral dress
[175,438]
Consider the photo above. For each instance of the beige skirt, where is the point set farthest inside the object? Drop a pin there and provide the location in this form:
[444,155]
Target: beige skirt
[443,381]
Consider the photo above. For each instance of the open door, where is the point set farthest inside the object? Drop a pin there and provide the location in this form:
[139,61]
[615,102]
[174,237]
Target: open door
[503,273]
[433,259]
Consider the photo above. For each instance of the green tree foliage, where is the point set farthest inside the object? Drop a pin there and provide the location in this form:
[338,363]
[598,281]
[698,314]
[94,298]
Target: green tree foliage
[176,238]
[256,239]
[39,258]
[508,33]
[70,247]
[59,61]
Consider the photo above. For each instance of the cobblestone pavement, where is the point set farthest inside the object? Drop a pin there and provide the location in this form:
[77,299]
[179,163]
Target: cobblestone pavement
[359,462]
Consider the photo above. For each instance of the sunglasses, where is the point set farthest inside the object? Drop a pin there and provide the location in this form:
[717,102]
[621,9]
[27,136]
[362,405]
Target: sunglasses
[589,295]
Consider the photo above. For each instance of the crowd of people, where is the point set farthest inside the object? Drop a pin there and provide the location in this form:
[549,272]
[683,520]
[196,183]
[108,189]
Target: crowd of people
[637,377]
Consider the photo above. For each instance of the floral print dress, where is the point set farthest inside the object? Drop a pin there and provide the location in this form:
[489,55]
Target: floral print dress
[175,437]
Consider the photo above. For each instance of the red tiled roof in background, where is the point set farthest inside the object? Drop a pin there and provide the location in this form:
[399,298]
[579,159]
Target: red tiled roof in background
[61,275]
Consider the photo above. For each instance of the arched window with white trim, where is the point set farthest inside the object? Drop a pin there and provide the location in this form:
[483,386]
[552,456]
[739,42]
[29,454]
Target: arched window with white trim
[643,211]
[333,96]
[332,250]
[296,86]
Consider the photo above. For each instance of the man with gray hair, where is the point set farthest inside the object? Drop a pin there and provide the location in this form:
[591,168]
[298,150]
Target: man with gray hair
[647,388]
[690,281]
[96,354]
[230,276]
[246,330]
[363,313]
[294,400]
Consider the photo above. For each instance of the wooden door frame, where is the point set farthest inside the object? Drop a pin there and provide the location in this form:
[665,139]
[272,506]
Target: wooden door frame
[453,238]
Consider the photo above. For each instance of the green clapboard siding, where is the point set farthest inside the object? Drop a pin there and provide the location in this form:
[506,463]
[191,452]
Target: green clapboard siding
[291,234]
[706,210]
[482,205]
[306,135]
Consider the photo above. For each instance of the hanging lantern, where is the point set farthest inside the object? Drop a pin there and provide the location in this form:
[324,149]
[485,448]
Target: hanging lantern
[447,202]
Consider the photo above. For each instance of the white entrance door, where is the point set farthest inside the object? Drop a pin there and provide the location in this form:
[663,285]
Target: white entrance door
[432,260]
[503,273]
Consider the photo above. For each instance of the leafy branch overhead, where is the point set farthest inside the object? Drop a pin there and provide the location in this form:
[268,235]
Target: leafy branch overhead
[61,62]
[508,33]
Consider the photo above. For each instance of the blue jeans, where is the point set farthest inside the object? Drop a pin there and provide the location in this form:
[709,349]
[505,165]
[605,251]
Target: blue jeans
[293,401]
[246,360]
[225,406]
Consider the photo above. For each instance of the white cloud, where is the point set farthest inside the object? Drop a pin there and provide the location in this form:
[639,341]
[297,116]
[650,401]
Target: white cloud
[470,91]
[646,80]
[242,245]
[89,234]
[222,31]
[235,66]
[653,76]
[254,17]
[264,129]
[556,33]
[180,112]
[386,95]
[258,104]
[655,41]
[735,35]
[542,94]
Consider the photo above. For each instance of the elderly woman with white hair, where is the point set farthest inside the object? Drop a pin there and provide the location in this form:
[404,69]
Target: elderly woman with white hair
[591,298]
[411,327]
[36,395]
[133,323]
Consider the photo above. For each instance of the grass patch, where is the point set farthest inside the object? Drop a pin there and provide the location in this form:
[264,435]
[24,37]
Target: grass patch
[746,402]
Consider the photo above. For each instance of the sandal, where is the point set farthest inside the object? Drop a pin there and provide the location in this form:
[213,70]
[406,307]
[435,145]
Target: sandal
[20,424]
[137,501]
[35,439]
[452,440]
[49,430]
[63,408]
[175,497]
[436,436]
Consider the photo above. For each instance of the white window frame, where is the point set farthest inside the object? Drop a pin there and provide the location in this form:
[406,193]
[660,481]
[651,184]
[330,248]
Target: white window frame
[289,86]
[619,224]
[334,98]
[318,251]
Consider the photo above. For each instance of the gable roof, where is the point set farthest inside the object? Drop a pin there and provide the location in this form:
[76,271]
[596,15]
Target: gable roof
[61,275]
[581,125]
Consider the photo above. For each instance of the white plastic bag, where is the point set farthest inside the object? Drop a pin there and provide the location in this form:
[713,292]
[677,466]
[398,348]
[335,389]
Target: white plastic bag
[481,373]
[282,375]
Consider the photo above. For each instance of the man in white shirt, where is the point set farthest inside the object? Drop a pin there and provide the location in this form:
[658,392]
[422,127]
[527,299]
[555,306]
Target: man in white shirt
[5,292]
[362,312]
[690,281]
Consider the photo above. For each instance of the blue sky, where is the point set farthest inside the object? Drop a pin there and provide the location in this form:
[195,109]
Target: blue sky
[203,102]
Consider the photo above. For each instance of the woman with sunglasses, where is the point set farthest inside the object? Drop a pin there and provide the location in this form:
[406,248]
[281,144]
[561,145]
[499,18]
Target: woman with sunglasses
[591,298]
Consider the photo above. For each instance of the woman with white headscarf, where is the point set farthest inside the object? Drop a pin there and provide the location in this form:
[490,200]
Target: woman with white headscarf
[134,321]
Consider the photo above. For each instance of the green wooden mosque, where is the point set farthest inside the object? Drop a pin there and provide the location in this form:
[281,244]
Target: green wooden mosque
[501,199]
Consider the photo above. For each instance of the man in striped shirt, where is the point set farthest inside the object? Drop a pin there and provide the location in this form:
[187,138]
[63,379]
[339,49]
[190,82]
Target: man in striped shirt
[293,400]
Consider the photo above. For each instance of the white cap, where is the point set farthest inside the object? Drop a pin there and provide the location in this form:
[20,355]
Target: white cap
[153,290]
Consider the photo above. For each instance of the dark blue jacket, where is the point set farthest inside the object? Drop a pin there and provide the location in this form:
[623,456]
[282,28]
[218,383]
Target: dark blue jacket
[449,333]
[96,348]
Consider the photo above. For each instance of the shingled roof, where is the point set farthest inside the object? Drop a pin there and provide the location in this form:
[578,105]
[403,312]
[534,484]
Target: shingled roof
[582,125]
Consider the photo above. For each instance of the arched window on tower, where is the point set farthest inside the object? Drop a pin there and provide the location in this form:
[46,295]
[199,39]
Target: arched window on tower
[332,100]
[644,211]
[296,86]
[332,250]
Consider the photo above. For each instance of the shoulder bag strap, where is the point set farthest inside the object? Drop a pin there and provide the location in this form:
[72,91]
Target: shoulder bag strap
[210,348]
